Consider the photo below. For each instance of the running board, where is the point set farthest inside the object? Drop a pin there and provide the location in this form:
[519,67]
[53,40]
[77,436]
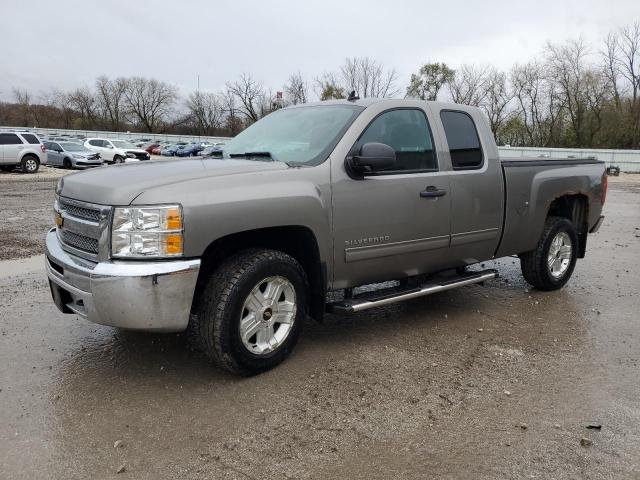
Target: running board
[367,301]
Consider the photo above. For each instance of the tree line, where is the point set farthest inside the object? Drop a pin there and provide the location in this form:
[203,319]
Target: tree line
[571,95]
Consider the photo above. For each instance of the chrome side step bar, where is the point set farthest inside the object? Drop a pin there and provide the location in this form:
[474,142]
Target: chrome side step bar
[353,305]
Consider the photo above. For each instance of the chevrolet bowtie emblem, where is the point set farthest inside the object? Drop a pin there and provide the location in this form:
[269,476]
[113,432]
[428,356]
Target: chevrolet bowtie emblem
[59,220]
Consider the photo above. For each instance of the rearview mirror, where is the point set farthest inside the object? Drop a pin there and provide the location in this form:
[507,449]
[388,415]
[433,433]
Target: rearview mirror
[372,157]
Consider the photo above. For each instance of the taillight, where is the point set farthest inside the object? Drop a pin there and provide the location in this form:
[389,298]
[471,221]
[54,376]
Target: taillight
[605,186]
[42,148]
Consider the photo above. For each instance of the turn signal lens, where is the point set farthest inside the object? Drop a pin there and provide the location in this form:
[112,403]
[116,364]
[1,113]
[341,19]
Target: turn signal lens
[173,244]
[174,219]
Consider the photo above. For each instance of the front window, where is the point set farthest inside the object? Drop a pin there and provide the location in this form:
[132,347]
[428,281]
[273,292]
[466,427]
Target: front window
[297,136]
[74,147]
[122,144]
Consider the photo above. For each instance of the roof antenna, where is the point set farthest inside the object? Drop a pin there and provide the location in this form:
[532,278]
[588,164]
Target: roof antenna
[353,97]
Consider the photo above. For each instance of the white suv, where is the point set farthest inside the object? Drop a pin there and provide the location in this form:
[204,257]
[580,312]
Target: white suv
[23,149]
[116,151]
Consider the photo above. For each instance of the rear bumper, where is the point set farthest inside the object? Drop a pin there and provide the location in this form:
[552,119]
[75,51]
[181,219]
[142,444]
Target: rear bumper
[597,225]
[152,296]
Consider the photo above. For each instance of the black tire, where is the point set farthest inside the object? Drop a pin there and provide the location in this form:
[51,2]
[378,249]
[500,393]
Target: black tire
[117,159]
[30,164]
[66,163]
[534,264]
[216,321]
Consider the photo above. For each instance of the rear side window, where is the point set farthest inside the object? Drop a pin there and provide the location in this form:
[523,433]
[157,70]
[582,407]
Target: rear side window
[95,143]
[10,139]
[32,139]
[463,141]
[408,133]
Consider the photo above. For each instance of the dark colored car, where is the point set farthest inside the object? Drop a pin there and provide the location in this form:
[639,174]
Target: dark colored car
[190,150]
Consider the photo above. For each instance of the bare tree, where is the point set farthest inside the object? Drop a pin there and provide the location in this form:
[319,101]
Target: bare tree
[429,81]
[206,110]
[22,98]
[110,98]
[611,65]
[368,78]
[629,64]
[497,99]
[469,85]
[250,94]
[539,104]
[566,64]
[327,87]
[296,89]
[150,101]
[84,102]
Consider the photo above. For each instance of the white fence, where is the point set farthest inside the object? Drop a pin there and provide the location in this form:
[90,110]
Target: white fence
[57,132]
[627,160]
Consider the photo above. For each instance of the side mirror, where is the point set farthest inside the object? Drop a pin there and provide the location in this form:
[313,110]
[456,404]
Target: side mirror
[372,157]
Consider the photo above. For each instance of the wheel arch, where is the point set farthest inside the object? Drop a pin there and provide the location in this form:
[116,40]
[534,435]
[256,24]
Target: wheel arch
[297,241]
[574,207]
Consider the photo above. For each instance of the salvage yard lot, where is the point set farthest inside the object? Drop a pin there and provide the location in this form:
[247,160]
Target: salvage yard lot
[494,381]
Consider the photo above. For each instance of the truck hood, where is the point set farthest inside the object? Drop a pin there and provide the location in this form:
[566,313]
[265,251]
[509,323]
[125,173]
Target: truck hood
[121,184]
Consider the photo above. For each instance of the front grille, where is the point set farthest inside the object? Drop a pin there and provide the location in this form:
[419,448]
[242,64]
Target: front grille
[80,242]
[86,213]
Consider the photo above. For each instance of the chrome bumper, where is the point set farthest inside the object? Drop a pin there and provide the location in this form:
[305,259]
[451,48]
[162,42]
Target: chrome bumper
[141,295]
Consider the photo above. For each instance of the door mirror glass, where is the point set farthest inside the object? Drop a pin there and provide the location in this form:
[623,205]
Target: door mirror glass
[372,157]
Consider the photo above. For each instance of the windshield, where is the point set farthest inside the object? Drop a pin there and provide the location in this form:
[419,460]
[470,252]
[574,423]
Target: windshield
[122,144]
[296,136]
[74,147]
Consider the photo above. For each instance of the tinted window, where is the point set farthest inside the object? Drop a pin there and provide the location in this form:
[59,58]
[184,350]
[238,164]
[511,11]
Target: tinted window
[462,137]
[55,146]
[95,143]
[407,132]
[32,139]
[10,139]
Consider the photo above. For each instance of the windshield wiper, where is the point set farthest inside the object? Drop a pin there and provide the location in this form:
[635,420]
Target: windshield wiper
[252,155]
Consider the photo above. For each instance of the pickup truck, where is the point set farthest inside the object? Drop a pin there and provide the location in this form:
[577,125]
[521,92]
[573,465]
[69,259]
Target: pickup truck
[301,209]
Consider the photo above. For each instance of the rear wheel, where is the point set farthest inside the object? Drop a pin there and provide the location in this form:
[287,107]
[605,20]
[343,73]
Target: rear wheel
[251,311]
[30,164]
[550,265]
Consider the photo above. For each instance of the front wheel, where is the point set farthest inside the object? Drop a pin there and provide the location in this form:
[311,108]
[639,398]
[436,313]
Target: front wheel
[118,159]
[251,311]
[550,265]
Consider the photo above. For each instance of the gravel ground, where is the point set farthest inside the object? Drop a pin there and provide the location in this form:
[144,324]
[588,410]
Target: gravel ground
[494,381]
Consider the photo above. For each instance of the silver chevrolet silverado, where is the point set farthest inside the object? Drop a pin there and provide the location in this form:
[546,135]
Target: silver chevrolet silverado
[303,208]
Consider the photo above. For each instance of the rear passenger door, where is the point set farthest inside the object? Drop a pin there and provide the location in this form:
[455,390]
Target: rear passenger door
[477,190]
[12,146]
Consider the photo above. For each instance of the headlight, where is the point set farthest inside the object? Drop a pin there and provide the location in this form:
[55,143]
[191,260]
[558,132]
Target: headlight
[130,155]
[79,156]
[155,231]
[59,186]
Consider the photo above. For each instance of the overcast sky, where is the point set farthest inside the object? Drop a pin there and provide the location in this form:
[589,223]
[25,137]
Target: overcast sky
[68,43]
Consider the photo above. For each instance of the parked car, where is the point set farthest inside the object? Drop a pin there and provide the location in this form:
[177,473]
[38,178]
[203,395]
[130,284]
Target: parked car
[21,149]
[242,251]
[213,151]
[169,150]
[189,150]
[613,170]
[157,150]
[115,151]
[149,148]
[71,155]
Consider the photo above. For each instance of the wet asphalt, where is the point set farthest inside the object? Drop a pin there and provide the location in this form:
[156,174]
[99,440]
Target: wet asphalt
[493,381]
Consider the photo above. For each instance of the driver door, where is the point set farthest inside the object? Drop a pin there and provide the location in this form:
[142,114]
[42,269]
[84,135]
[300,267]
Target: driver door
[393,223]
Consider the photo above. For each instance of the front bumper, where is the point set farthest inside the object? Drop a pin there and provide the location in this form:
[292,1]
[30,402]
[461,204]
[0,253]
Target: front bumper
[139,295]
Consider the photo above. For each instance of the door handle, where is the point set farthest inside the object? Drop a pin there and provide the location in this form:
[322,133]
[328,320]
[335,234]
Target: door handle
[432,192]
